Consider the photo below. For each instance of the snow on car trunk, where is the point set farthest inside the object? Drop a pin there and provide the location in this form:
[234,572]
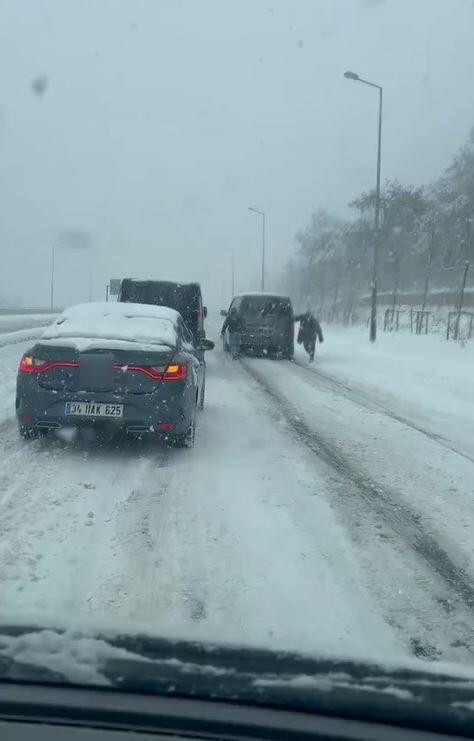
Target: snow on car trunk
[114,326]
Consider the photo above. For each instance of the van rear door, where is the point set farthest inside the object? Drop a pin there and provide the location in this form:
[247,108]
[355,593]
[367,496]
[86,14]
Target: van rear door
[268,320]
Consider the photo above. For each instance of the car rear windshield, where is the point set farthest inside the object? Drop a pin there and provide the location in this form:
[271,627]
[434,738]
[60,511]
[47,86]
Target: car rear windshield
[181,297]
[265,306]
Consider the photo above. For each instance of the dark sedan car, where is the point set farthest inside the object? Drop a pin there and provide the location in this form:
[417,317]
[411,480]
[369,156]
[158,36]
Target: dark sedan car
[113,366]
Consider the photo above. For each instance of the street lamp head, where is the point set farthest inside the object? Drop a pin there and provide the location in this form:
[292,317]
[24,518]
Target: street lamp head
[251,208]
[351,75]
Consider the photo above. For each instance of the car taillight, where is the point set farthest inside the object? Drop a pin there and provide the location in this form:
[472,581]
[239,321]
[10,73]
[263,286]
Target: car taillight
[29,364]
[155,373]
[158,372]
[175,372]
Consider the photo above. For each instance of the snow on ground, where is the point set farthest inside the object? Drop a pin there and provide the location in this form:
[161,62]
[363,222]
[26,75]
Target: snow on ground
[225,542]
[252,536]
[437,481]
[20,336]
[12,346]
[9,360]
[424,378]
[12,322]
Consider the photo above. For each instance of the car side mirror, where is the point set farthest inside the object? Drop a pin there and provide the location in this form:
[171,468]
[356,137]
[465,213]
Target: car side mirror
[223,312]
[204,311]
[205,345]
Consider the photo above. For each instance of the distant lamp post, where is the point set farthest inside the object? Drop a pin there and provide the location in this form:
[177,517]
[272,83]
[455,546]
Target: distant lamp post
[373,313]
[233,276]
[262,214]
[51,287]
[74,239]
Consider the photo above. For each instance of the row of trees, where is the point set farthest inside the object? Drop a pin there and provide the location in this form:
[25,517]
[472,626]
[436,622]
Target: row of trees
[423,245]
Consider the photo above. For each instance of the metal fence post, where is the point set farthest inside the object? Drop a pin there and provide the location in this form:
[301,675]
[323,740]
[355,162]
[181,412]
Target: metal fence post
[461,300]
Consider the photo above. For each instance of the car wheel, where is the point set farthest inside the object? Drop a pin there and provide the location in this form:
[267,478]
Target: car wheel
[187,439]
[29,432]
[288,352]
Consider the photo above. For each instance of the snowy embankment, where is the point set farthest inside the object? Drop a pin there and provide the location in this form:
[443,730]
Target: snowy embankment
[20,336]
[16,329]
[15,322]
[423,378]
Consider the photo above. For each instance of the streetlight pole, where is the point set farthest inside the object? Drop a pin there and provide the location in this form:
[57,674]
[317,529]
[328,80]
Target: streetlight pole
[51,297]
[73,239]
[373,310]
[262,214]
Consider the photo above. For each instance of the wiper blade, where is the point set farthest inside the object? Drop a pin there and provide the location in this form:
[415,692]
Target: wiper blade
[412,697]
[18,671]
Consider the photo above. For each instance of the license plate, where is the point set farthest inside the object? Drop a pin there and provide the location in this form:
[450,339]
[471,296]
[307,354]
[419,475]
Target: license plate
[93,409]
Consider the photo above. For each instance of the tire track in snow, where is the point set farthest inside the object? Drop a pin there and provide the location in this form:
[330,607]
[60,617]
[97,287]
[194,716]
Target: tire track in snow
[404,521]
[364,400]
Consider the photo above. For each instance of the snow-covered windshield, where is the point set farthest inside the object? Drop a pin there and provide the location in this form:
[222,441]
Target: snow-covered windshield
[237,324]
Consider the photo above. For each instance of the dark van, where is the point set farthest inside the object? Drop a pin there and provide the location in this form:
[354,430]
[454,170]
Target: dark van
[267,323]
[183,297]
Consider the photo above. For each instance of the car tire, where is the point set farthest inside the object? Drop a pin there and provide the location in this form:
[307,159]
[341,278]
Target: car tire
[30,432]
[186,440]
[288,352]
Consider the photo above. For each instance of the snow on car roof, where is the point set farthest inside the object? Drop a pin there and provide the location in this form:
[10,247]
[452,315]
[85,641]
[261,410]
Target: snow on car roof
[114,326]
[255,294]
[163,280]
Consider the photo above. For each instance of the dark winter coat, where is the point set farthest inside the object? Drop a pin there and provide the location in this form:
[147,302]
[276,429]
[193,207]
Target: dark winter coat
[310,328]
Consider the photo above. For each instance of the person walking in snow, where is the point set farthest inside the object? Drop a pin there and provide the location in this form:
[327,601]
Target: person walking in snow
[233,323]
[309,330]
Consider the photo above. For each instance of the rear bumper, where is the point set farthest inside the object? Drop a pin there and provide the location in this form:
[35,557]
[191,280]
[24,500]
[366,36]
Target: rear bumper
[141,412]
[268,342]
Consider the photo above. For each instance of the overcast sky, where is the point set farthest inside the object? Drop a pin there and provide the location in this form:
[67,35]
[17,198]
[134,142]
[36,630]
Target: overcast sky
[163,120]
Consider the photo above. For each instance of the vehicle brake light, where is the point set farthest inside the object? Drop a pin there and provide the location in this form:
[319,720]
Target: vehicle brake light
[154,373]
[29,364]
[167,426]
[158,373]
[175,372]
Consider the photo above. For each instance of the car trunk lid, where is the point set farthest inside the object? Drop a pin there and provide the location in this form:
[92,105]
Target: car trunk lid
[120,372]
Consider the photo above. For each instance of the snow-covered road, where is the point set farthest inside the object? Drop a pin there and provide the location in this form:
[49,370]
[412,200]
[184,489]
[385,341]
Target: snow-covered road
[301,519]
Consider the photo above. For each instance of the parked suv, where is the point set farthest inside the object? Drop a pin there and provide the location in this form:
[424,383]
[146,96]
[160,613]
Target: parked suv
[267,323]
[185,298]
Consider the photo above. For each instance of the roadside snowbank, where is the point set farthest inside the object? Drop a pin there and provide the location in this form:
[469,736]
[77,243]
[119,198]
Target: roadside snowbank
[21,335]
[424,378]
[11,322]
